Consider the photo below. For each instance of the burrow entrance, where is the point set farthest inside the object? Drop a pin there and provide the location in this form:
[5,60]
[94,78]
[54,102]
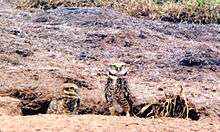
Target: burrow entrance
[31,104]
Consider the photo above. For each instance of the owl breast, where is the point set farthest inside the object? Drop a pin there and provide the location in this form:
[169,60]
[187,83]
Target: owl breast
[71,103]
[115,90]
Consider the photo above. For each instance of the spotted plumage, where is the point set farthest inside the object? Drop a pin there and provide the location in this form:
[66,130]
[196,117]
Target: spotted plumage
[117,92]
[67,102]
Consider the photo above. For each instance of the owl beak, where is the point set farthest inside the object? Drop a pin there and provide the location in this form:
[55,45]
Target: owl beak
[112,72]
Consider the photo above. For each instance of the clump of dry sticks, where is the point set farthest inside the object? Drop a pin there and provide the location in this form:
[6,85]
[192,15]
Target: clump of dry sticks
[170,106]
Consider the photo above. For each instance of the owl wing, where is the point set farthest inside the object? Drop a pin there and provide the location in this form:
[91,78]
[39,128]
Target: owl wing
[126,91]
[107,90]
[76,106]
[53,108]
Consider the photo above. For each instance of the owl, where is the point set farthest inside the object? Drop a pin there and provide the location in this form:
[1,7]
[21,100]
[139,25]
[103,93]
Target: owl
[67,102]
[117,93]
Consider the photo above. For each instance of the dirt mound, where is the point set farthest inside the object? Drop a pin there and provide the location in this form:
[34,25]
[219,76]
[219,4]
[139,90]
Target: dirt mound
[10,106]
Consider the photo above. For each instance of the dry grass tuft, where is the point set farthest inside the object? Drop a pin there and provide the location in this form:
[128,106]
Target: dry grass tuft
[47,4]
[170,106]
[197,11]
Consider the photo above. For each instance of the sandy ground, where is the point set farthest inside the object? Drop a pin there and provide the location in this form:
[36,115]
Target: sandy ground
[39,50]
[98,123]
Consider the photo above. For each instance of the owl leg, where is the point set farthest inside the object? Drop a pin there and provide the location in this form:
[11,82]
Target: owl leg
[186,109]
[125,106]
[112,109]
[126,110]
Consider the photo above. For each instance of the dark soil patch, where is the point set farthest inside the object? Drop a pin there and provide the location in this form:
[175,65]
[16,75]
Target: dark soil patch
[201,58]
[24,52]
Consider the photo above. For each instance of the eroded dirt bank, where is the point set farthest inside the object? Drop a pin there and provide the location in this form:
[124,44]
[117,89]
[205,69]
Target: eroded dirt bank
[40,50]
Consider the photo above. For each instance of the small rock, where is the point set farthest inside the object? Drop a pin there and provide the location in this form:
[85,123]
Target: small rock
[83,55]
[10,106]
[160,89]
[127,44]
[142,35]
[214,90]
[170,19]
[41,19]
[24,52]
[80,10]
[17,32]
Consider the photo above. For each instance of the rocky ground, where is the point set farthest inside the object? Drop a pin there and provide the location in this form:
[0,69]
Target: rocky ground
[39,50]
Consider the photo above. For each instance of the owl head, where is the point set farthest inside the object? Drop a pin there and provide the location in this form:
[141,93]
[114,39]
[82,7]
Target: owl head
[69,89]
[117,69]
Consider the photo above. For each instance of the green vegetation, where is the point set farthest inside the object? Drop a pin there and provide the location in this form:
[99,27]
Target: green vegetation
[202,3]
[197,11]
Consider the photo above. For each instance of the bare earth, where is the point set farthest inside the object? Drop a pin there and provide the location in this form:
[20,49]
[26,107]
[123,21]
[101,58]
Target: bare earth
[39,50]
[98,123]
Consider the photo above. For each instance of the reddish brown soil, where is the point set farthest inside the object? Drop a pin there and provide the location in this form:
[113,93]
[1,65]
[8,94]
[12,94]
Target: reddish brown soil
[39,50]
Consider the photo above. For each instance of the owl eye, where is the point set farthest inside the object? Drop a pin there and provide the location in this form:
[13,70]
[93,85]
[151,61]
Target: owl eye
[113,66]
[72,88]
[67,89]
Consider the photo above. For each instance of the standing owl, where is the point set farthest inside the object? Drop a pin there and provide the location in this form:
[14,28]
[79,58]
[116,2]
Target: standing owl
[117,93]
[67,102]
